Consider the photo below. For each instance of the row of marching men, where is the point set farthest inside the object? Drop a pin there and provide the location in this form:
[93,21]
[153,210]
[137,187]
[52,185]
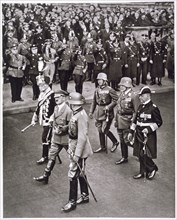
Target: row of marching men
[68,60]
[66,126]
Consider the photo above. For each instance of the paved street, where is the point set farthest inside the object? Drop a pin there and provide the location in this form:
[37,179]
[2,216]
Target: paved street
[118,194]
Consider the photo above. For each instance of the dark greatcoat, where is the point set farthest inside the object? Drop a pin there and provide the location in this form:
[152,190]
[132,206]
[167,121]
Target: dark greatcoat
[157,55]
[148,113]
[116,62]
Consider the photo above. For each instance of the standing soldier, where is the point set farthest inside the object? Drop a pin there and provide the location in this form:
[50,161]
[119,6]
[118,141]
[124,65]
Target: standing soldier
[88,52]
[104,101]
[125,47]
[127,104]
[133,61]
[44,110]
[65,65]
[158,57]
[101,60]
[59,120]
[79,150]
[115,66]
[50,57]
[39,38]
[80,68]
[144,58]
[146,122]
[16,64]
[33,70]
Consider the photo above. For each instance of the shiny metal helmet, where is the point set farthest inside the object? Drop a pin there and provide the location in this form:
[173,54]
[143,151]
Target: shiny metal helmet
[102,76]
[126,81]
[76,98]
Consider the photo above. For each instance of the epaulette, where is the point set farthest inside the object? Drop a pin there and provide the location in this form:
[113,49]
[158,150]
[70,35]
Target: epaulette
[154,105]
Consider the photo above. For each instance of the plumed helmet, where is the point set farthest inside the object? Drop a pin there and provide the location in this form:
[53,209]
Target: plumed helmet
[126,81]
[102,76]
[76,98]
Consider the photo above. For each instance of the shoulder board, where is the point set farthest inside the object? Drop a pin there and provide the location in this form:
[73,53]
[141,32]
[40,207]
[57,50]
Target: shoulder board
[154,105]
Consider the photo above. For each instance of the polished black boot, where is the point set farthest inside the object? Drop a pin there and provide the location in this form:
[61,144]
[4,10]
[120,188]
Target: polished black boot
[45,177]
[102,143]
[84,198]
[44,158]
[71,205]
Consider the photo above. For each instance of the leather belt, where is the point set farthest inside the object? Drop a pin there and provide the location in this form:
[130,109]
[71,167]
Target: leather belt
[142,124]
[14,67]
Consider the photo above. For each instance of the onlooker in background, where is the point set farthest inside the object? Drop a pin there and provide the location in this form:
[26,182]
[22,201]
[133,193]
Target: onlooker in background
[79,72]
[16,64]
[158,56]
[144,49]
[33,70]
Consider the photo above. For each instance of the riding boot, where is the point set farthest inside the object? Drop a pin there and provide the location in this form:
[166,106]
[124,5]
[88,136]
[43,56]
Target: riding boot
[112,137]
[45,150]
[102,140]
[47,172]
[83,185]
[73,190]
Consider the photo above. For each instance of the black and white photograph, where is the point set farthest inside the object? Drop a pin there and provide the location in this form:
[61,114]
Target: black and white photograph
[88,109]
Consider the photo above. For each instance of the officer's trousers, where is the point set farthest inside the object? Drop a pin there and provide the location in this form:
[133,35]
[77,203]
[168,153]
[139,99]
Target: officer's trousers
[74,174]
[64,78]
[124,147]
[34,86]
[16,87]
[103,129]
[144,71]
[146,163]
[78,79]
[46,140]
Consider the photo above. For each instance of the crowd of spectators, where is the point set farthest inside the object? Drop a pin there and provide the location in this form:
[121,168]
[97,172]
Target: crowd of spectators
[28,24]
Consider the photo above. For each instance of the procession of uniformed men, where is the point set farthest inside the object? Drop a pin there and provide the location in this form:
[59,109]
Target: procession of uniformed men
[46,44]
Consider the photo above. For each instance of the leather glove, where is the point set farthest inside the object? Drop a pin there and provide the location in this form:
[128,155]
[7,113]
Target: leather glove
[145,132]
[90,115]
[130,136]
[75,158]
[115,124]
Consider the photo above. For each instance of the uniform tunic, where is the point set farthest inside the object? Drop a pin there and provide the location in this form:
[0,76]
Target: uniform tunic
[116,62]
[158,53]
[79,143]
[148,116]
[103,96]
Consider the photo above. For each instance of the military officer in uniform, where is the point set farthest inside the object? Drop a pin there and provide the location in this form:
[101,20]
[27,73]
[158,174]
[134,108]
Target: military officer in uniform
[144,51]
[104,101]
[101,60]
[158,56]
[59,120]
[88,52]
[79,150]
[65,65]
[133,61]
[127,104]
[147,120]
[79,72]
[33,70]
[16,65]
[44,110]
